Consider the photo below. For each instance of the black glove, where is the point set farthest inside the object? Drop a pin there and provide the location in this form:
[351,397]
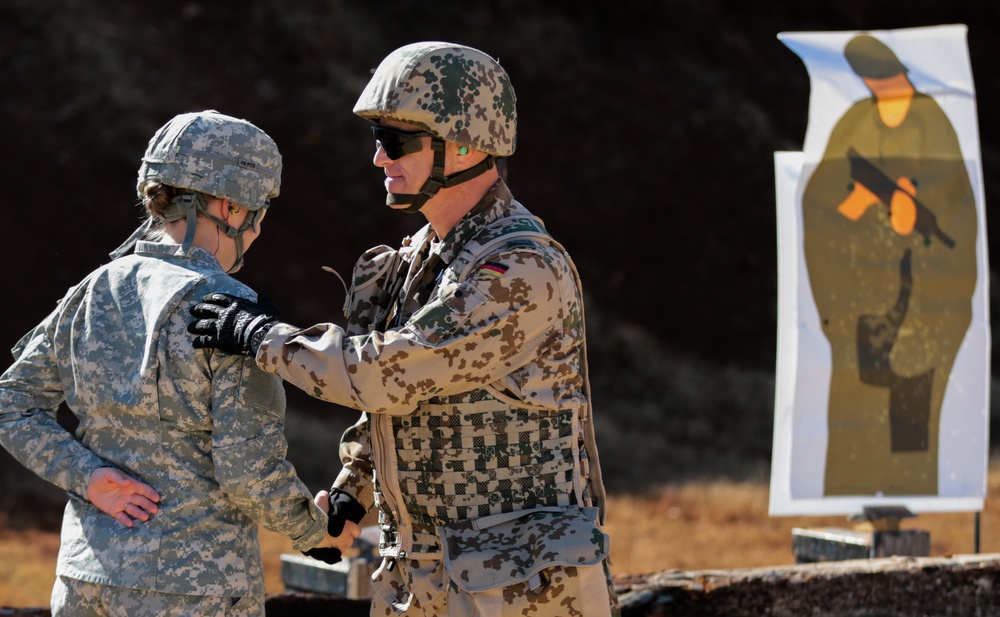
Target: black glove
[343,508]
[231,324]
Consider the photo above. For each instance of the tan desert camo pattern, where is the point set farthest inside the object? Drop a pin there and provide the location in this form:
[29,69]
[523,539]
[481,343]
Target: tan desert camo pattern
[550,562]
[205,429]
[425,589]
[470,457]
[521,332]
[516,339]
[458,93]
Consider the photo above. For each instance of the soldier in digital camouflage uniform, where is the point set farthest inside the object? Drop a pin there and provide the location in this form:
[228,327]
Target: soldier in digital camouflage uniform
[203,428]
[465,350]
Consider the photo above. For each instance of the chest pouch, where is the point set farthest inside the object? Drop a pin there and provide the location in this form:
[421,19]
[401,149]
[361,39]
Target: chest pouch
[518,547]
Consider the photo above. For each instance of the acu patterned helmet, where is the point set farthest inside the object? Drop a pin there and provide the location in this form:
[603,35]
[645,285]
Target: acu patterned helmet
[215,154]
[455,92]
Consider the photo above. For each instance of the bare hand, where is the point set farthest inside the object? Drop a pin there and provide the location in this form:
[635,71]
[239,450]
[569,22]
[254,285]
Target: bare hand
[322,500]
[121,495]
[345,540]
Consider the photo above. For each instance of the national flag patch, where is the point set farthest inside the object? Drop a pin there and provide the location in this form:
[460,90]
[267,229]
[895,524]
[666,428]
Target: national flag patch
[492,269]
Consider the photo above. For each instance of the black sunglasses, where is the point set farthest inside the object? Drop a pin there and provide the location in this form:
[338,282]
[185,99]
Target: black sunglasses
[397,143]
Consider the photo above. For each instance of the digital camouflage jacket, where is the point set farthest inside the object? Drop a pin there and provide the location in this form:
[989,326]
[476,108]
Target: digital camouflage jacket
[203,428]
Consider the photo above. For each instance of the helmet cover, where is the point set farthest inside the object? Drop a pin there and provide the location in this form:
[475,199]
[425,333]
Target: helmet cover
[455,92]
[216,154]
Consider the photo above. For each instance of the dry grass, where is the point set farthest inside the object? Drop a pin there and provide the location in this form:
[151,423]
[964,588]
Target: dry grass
[725,525]
[693,527]
[29,567]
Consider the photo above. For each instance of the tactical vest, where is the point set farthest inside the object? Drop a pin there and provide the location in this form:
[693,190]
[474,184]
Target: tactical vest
[480,452]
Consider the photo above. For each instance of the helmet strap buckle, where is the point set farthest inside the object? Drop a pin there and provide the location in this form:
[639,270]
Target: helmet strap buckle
[437,180]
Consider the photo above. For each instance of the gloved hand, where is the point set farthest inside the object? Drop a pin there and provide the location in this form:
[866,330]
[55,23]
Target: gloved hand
[343,508]
[231,324]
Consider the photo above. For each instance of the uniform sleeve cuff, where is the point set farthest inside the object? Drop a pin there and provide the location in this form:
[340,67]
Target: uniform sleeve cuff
[315,534]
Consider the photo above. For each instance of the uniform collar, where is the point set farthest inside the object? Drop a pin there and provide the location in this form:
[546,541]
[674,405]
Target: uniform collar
[195,254]
[496,204]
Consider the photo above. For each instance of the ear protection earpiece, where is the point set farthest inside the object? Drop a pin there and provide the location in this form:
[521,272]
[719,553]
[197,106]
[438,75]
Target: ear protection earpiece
[463,150]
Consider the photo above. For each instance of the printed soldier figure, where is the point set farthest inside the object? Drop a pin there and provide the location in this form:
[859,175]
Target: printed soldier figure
[204,428]
[464,349]
[889,226]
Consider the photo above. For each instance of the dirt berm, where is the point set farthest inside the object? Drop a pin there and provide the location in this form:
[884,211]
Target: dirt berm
[889,587]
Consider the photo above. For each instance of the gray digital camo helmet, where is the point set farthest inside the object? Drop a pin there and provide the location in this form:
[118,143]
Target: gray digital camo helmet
[215,154]
[455,93]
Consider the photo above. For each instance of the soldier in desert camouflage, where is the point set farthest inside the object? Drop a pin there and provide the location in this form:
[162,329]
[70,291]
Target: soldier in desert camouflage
[203,428]
[464,348]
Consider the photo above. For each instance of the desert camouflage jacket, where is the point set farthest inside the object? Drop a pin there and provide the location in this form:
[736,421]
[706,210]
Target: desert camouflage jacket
[203,428]
[438,318]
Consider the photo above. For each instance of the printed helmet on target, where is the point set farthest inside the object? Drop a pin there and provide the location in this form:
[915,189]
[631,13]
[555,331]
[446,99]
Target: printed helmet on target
[458,93]
[871,58]
[216,154]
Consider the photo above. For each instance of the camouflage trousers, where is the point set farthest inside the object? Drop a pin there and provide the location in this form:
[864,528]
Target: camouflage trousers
[423,589]
[75,598]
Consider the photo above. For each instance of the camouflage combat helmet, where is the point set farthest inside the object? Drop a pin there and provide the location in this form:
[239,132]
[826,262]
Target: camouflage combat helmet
[215,154]
[453,92]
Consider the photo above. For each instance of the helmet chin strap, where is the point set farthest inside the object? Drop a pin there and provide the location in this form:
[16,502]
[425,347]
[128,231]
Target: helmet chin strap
[437,180]
[187,205]
[233,232]
[184,206]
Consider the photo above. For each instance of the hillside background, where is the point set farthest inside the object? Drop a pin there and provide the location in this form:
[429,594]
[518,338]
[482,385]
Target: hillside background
[646,138]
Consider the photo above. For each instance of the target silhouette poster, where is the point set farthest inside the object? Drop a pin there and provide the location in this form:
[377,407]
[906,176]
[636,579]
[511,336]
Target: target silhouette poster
[883,371]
